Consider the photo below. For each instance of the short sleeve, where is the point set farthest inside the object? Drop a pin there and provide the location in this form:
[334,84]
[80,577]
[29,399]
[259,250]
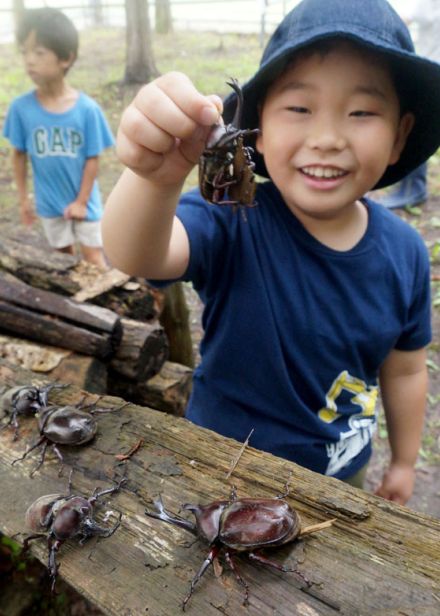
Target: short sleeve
[14,129]
[210,231]
[98,133]
[417,331]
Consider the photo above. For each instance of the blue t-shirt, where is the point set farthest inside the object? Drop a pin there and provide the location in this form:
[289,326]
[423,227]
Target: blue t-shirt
[295,332]
[59,145]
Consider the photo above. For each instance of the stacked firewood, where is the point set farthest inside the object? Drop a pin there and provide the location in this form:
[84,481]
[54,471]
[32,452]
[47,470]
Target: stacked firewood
[100,331]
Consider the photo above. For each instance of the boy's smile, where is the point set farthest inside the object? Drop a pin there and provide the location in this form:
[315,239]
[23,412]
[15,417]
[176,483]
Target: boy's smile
[330,126]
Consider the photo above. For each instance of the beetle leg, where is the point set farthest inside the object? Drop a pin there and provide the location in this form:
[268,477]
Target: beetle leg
[213,552]
[41,460]
[30,538]
[258,557]
[115,488]
[238,577]
[53,547]
[37,444]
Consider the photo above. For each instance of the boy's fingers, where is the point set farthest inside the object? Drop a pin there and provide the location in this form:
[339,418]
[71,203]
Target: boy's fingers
[174,104]
[139,129]
[136,156]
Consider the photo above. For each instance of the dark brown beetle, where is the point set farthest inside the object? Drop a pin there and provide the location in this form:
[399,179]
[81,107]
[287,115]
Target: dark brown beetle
[240,525]
[60,517]
[66,425]
[24,400]
[226,164]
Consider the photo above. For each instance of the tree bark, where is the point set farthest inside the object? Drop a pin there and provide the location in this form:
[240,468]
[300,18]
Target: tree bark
[140,64]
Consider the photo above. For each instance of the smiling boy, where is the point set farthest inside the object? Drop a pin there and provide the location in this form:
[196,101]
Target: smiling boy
[320,294]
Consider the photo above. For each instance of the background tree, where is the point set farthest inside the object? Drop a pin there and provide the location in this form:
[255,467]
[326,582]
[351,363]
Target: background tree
[140,65]
[164,22]
[18,8]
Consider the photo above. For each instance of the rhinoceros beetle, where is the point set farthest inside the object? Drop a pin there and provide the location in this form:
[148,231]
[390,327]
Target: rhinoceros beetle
[240,525]
[24,400]
[226,163]
[60,517]
[66,425]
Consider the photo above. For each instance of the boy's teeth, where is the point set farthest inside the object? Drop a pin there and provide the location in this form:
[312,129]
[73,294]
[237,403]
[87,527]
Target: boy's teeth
[322,172]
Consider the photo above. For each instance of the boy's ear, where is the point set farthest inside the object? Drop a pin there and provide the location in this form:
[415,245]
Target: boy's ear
[66,64]
[405,127]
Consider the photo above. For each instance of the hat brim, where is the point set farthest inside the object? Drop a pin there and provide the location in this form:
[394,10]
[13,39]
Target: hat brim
[416,76]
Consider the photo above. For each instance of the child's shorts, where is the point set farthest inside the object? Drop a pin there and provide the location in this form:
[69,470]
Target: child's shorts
[61,232]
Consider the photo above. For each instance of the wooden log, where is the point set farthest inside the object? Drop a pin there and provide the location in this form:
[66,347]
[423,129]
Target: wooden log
[49,318]
[377,558]
[142,351]
[56,364]
[167,391]
[50,331]
[14,291]
[38,266]
[135,299]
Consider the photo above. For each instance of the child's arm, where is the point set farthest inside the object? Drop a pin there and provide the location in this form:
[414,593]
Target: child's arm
[78,208]
[161,137]
[404,386]
[19,166]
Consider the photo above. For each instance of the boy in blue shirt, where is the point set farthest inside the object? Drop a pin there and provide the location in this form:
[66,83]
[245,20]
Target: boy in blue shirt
[62,131]
[320,294]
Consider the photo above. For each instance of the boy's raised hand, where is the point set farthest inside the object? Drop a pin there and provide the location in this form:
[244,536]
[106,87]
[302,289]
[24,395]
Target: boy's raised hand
[163,131]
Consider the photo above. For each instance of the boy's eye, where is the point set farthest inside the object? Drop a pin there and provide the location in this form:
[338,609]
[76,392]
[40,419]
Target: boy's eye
[362,114]
[298,109]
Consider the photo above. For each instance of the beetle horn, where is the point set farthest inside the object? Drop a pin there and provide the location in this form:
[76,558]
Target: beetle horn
[236,120]
[162,514]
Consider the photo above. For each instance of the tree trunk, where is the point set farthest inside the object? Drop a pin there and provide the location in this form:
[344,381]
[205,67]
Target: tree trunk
[164,22]
[18,8]
[175,320]
[140,65]
[96,12]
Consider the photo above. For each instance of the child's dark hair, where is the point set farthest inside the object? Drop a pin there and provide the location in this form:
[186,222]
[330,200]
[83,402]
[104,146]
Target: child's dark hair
[53,30]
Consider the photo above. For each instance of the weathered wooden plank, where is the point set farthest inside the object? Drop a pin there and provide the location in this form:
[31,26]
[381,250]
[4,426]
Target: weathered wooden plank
[378,558]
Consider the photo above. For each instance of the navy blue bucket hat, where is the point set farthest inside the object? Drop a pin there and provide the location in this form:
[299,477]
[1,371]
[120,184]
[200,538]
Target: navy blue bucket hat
[375,25]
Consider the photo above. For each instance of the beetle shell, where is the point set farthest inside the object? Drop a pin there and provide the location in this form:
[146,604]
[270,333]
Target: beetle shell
[247,523]
[36,516]
[69,516]
[251,523]
[67,425]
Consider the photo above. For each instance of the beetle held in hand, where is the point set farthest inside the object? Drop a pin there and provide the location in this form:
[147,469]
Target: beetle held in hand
[226,169]
[240,525]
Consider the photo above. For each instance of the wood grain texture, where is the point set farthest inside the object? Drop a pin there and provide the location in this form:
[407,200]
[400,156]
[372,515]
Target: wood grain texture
[378,558]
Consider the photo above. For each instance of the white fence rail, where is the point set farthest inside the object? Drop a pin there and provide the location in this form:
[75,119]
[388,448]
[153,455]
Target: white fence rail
[247,16]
